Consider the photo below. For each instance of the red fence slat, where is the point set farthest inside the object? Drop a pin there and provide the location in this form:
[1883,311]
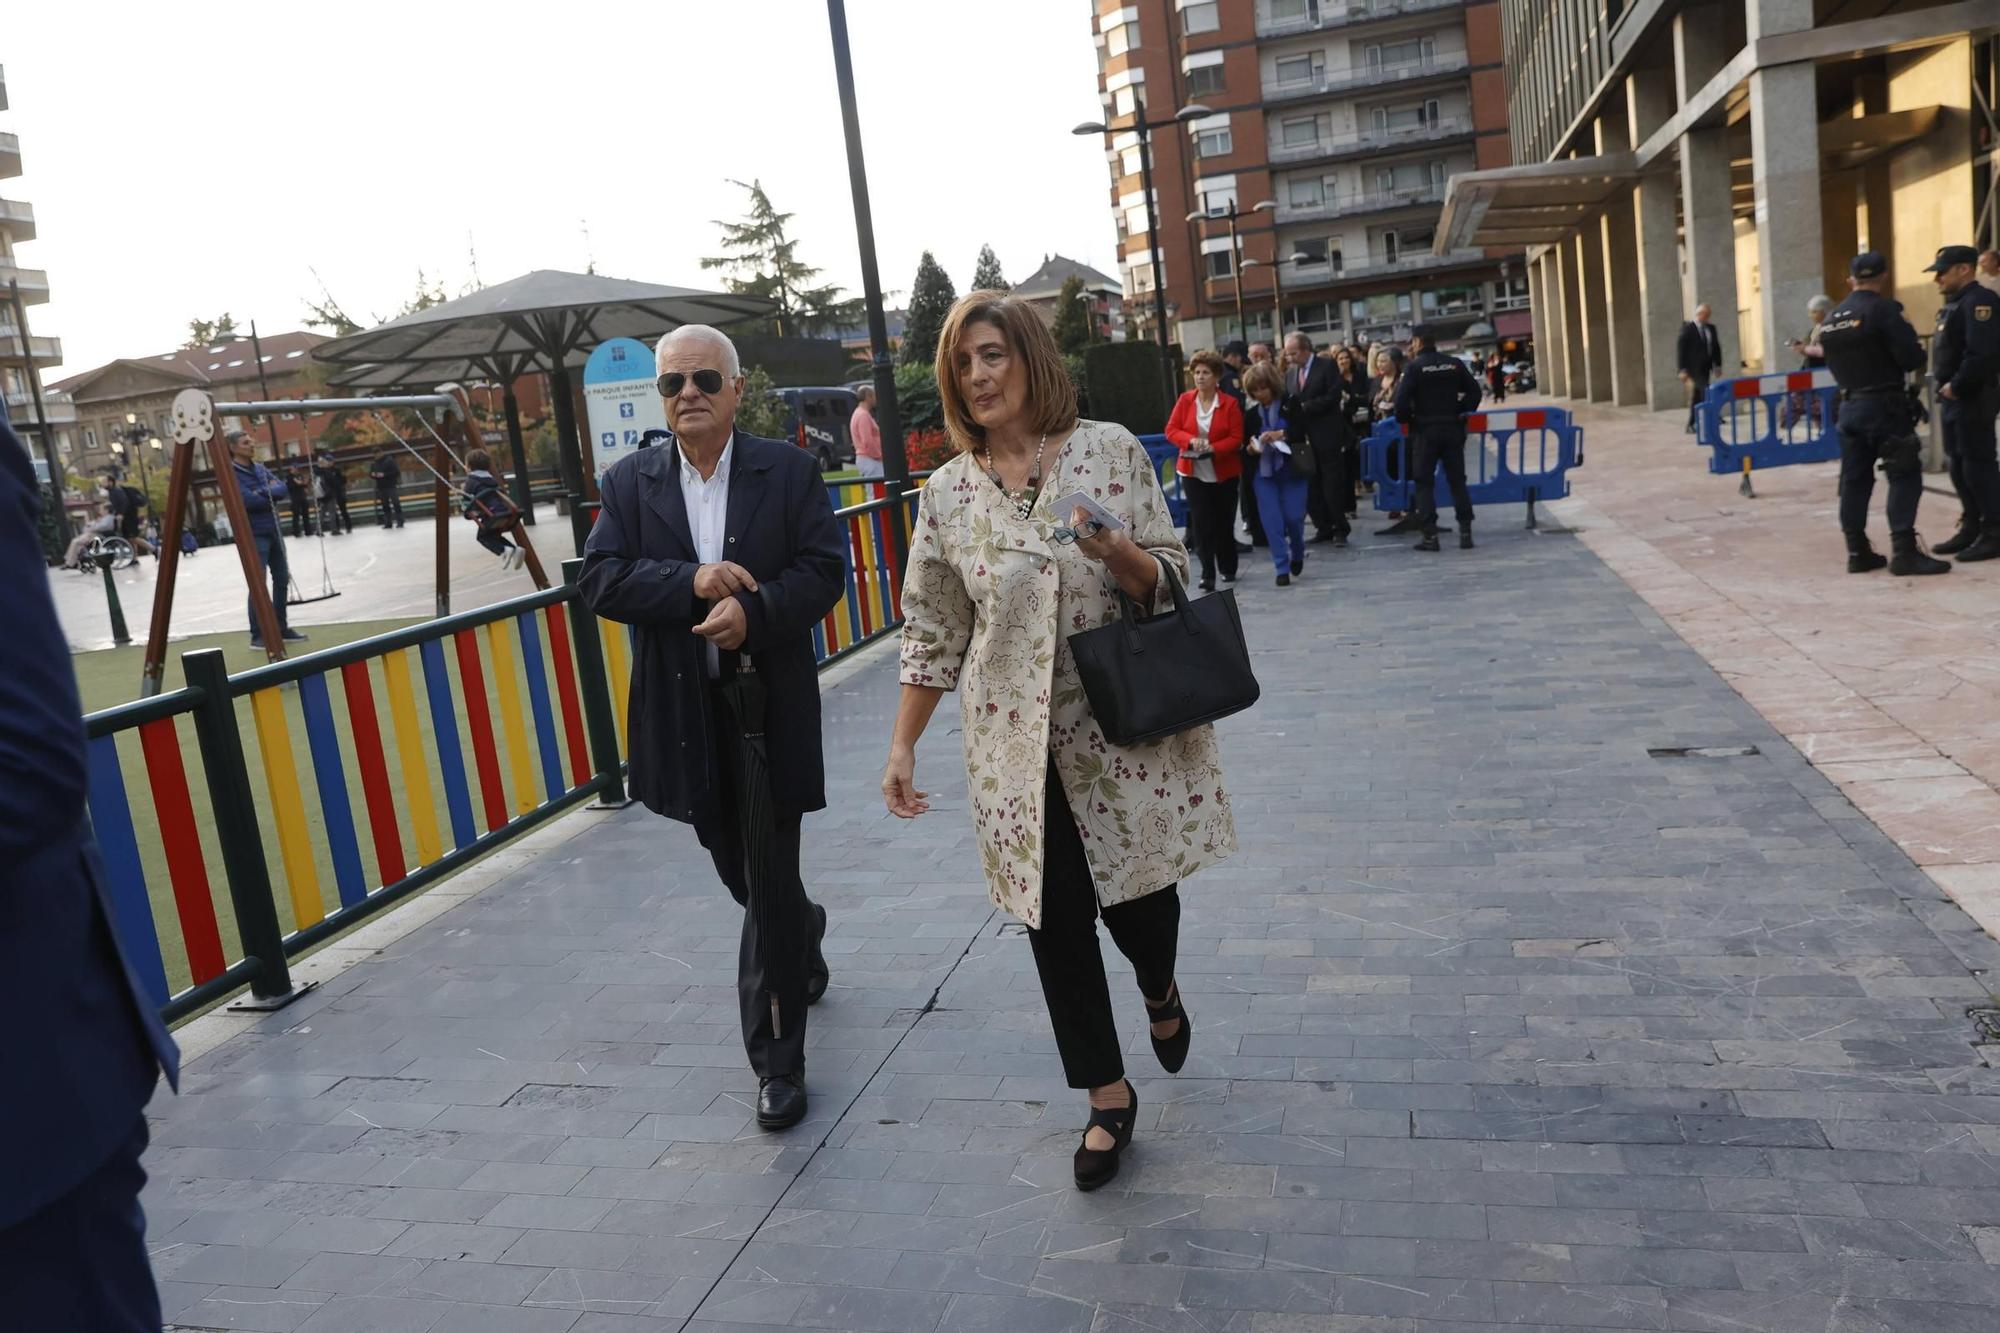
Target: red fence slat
[194,901]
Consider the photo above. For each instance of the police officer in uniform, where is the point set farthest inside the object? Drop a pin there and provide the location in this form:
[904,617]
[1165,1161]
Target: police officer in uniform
[1871,350]
[1435,394]
[1965,361]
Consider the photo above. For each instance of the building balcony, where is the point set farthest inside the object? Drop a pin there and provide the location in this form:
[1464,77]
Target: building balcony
[17,220]
[34,282]
[1366,201]
[1333,82]
[1324,274]
[21,408]
[44,351]
[1336,14]
[10,155]
[1355,145]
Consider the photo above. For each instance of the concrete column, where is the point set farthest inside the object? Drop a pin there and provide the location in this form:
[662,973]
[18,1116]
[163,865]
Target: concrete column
[1649,104]
[1619,247]
[1575,354]
[1538,313]
[1596,320]
[1554,354]
[1784,153]
[1707,204]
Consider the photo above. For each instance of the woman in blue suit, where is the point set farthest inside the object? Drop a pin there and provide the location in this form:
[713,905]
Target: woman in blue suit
[1282,489]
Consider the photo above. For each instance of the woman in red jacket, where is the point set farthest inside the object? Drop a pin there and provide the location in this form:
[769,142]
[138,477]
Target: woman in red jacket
[1207,427]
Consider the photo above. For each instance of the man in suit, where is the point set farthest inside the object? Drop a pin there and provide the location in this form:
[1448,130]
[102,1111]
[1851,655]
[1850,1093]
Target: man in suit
[722,549]
[87,1047]
[1700,355]
[1312,406]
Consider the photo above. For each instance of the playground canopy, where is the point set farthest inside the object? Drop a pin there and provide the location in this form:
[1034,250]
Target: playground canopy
[546,320]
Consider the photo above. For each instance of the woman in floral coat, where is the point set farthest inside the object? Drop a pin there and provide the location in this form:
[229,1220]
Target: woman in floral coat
[1071,827]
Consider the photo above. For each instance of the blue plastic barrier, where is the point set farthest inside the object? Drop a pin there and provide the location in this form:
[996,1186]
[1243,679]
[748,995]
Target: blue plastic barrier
[1511,458]
[1768,421]
[1164,456]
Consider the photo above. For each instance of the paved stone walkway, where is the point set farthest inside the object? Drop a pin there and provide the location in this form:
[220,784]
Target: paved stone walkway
[1502,1019]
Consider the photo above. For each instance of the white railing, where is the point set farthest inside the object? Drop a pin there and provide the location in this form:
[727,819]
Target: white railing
[1365,76]
[1331,14]
[1416,134]
[21,407]
[1365,201]
[1377,268]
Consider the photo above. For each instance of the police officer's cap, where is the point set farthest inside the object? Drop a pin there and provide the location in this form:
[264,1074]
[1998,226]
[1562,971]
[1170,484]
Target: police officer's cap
[1951,256]
[1868,264]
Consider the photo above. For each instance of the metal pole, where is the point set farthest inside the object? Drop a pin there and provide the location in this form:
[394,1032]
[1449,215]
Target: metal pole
[523,491]
[119,634]
[569,459]
[1277,305]
[264,387]
[1236,271]
[1153,255]
[895,458]
[599,719]
[180,480]
[49,450]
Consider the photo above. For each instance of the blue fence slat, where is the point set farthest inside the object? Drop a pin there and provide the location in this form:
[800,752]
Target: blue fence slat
[538,704]
[118,846]
[1165,456]
[1520,456]
[444,724]
[1769,421]
[331,777]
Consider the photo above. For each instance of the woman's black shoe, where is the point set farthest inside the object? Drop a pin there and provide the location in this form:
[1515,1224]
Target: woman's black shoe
[1171,1051]
[1284,580]
[1094,1168]
[1298,566]
[1206,585]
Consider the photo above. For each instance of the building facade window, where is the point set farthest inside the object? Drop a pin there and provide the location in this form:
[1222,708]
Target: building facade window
[1204,80]
[1423,115]
[1218,200]
[1305,192]
[1293,11]
[1213,143]
[1302,132]
[1124,100]
[1129,163]
[1123,34]
[1300,69]
[1217,264]
[1453,301]
[1386,308]
[1202,16]
[1510,294]
[1400,55]
[1312,317]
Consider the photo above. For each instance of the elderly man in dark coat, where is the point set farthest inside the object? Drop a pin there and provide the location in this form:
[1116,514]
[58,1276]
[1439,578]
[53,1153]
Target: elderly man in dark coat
[724,552]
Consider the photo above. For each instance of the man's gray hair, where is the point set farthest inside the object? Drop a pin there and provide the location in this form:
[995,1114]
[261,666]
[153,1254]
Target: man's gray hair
[731,366]
[1819,305]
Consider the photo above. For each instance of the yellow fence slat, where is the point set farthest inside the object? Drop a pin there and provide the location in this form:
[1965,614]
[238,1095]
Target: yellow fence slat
[410,755]
[613,635]
[274,741]
[500,647]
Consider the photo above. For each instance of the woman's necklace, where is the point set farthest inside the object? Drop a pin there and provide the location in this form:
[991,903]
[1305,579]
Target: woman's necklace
[1023,499]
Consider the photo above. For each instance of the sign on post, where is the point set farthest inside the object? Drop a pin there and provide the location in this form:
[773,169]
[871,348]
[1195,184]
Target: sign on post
[619,399]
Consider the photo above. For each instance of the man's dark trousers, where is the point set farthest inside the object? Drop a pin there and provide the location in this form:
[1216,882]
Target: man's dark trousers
[1867,422]
[1430,446]
[388,506]
[782,921]
[1697,387]
[1970,457]
[81,1262]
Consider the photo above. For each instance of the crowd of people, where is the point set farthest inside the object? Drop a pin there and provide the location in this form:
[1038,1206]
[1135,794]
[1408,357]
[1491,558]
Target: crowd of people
[1280,442]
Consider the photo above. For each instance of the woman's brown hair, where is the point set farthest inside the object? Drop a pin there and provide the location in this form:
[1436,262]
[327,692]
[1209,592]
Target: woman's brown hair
[1051,392]
[1264,375]
[1207,358]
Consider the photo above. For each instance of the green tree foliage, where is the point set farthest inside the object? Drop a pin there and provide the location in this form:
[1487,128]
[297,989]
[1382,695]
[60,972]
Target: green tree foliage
[761,259]
[202,332]
[917,398]
[1073,326]
[760,411]
[429,292]
[987,277]
[931,296]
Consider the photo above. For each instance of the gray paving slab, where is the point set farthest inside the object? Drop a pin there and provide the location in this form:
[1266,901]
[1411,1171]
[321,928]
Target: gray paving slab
[1501,1020]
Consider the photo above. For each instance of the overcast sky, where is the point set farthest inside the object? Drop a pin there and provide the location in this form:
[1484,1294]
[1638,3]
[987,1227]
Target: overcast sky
[181,170]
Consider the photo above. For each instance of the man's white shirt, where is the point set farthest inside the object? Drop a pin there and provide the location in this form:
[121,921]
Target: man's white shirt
[708,515]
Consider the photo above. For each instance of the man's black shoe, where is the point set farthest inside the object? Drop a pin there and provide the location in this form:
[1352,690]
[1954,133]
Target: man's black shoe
[291,636]
[1319,537]
[1910,557]
[781,1101]
[1429,543]
[1284,580]
[817,976]
[1298,565]
[1398,528]
[1966,535]
[1986,548]
[1465,538]
[1339,540]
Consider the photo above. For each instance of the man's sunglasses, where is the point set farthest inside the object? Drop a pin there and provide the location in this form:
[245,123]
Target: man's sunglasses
[671,383]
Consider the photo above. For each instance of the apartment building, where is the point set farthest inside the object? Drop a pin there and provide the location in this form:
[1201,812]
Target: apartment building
[23,354]
[1314,172]
[1736,153]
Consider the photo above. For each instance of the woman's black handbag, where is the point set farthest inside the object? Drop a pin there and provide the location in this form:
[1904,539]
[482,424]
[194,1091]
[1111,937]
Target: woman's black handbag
[1152,676]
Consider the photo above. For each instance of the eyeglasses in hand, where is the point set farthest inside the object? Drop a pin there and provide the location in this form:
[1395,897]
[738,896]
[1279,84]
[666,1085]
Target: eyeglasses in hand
[1082,532]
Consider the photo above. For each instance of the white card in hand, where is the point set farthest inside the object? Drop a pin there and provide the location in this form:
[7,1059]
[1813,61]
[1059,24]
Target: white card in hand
[1063,509]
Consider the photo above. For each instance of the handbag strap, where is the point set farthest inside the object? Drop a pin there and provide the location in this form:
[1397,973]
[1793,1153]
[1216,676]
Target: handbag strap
[1129,610]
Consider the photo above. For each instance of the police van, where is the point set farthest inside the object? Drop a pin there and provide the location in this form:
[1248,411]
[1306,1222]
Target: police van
[816,421]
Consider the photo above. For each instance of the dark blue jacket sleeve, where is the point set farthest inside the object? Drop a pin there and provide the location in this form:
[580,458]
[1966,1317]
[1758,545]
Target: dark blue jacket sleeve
[792,603]
[42,775]
[1981,338]
[621,583]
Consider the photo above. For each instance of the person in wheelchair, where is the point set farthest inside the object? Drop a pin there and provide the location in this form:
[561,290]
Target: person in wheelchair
[103,525]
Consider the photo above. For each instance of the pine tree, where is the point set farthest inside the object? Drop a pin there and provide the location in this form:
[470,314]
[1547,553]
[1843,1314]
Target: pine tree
[762,261]
[1072,329]
[202,332]
[931,296]
[987,277]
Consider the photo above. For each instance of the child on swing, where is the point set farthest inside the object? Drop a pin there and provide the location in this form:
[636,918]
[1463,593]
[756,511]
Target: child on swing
[487,505]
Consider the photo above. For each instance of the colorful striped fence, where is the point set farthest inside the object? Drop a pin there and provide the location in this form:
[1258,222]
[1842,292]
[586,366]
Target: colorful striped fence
[511,726]
[378,768]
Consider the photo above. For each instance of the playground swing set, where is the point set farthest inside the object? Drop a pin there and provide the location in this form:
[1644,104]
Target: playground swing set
[197,420]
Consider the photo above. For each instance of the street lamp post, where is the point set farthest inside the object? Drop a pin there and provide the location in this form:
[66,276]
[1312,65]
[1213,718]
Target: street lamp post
[1277,291]
[1144,128]
[1236,260]
[133,441]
